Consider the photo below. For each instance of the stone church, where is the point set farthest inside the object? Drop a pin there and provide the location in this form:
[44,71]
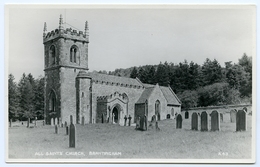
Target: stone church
[93,97]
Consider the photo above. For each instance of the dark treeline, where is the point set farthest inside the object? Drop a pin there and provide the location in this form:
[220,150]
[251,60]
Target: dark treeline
[26,99]
[196,85]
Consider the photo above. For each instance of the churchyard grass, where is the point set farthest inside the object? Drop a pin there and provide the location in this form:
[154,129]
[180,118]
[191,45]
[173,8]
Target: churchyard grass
[126,142]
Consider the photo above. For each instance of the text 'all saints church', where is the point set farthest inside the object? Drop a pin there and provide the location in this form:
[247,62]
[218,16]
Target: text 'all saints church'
[93,97]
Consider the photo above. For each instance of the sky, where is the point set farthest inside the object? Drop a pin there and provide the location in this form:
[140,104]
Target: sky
[123,37]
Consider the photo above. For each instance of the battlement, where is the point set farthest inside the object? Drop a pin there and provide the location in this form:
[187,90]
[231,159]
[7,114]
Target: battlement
[67,33]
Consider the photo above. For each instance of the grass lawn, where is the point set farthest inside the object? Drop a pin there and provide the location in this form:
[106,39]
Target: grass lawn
[126,142]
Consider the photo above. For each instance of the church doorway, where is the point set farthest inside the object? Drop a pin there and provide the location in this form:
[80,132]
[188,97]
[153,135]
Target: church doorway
[52,108]
[115,113]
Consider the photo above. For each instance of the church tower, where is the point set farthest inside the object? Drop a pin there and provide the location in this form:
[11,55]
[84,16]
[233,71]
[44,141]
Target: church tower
[66,66]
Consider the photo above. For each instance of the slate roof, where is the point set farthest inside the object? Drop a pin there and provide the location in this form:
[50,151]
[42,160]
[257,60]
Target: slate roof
[170,96]
[145,95]
[114,79]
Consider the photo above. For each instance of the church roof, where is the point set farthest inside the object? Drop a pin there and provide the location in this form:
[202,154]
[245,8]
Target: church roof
[170,96]
[145,95]
[114,79]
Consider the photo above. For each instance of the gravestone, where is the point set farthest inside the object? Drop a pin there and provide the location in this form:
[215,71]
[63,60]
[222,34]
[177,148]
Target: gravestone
[215,122]
[233,115]
[67,130]
[221,117]
[113,118]
[56,129]
[28,122]
[72,134]
[241,121]
[125,118]
[62,125]
[65,124]
[145,122]
[82,120]
[35,121]
[137,123]
[168,116]
[157,126]
[179,121]
[129,123]
[194,121]
[51,121]
[204,121]
[141,125]
[43,123]
[56,121]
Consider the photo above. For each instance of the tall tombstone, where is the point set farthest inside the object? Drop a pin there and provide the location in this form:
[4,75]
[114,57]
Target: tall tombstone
[67,130]
[221,117]
[179,121]
[204,121]
[125,118]
[215,121]
[145,122]
[241,121]
[65,124]
[233,115]
[194,121]
[129,123]
[82,120]
[72,134]
[56,121]
[56,129]
[43,123]
[141,125]
[113,118]
[52,121]
[28,122]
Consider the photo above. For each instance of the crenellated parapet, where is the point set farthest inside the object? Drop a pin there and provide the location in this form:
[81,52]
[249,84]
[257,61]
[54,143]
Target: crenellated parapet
[67,34]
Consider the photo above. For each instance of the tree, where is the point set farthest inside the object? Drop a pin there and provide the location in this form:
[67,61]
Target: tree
[162,75]
[151,76]
[212,72]
[13,101]
[188,98]
[142,75]
[39,98]
[26,98]
[134,73]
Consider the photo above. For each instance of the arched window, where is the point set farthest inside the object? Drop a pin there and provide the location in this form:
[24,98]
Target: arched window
[52,55]
[74,54]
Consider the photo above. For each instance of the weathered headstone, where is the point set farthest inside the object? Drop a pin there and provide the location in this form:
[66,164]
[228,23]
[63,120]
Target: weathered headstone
[43,123]
[125,118]
[157,126]
[61,125]
[215,121]
[56,121]
[221,117]
[52,121]
[194,121]
[82,120]
[67,130]
[28,122]
[137,123]
[179,121]
[35,121]
[204,121]
[145,122]
[113,118]
[241,121]
[56,129]
[72,133]
[233,115]
[129,123]
[72,136]
[65,124]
